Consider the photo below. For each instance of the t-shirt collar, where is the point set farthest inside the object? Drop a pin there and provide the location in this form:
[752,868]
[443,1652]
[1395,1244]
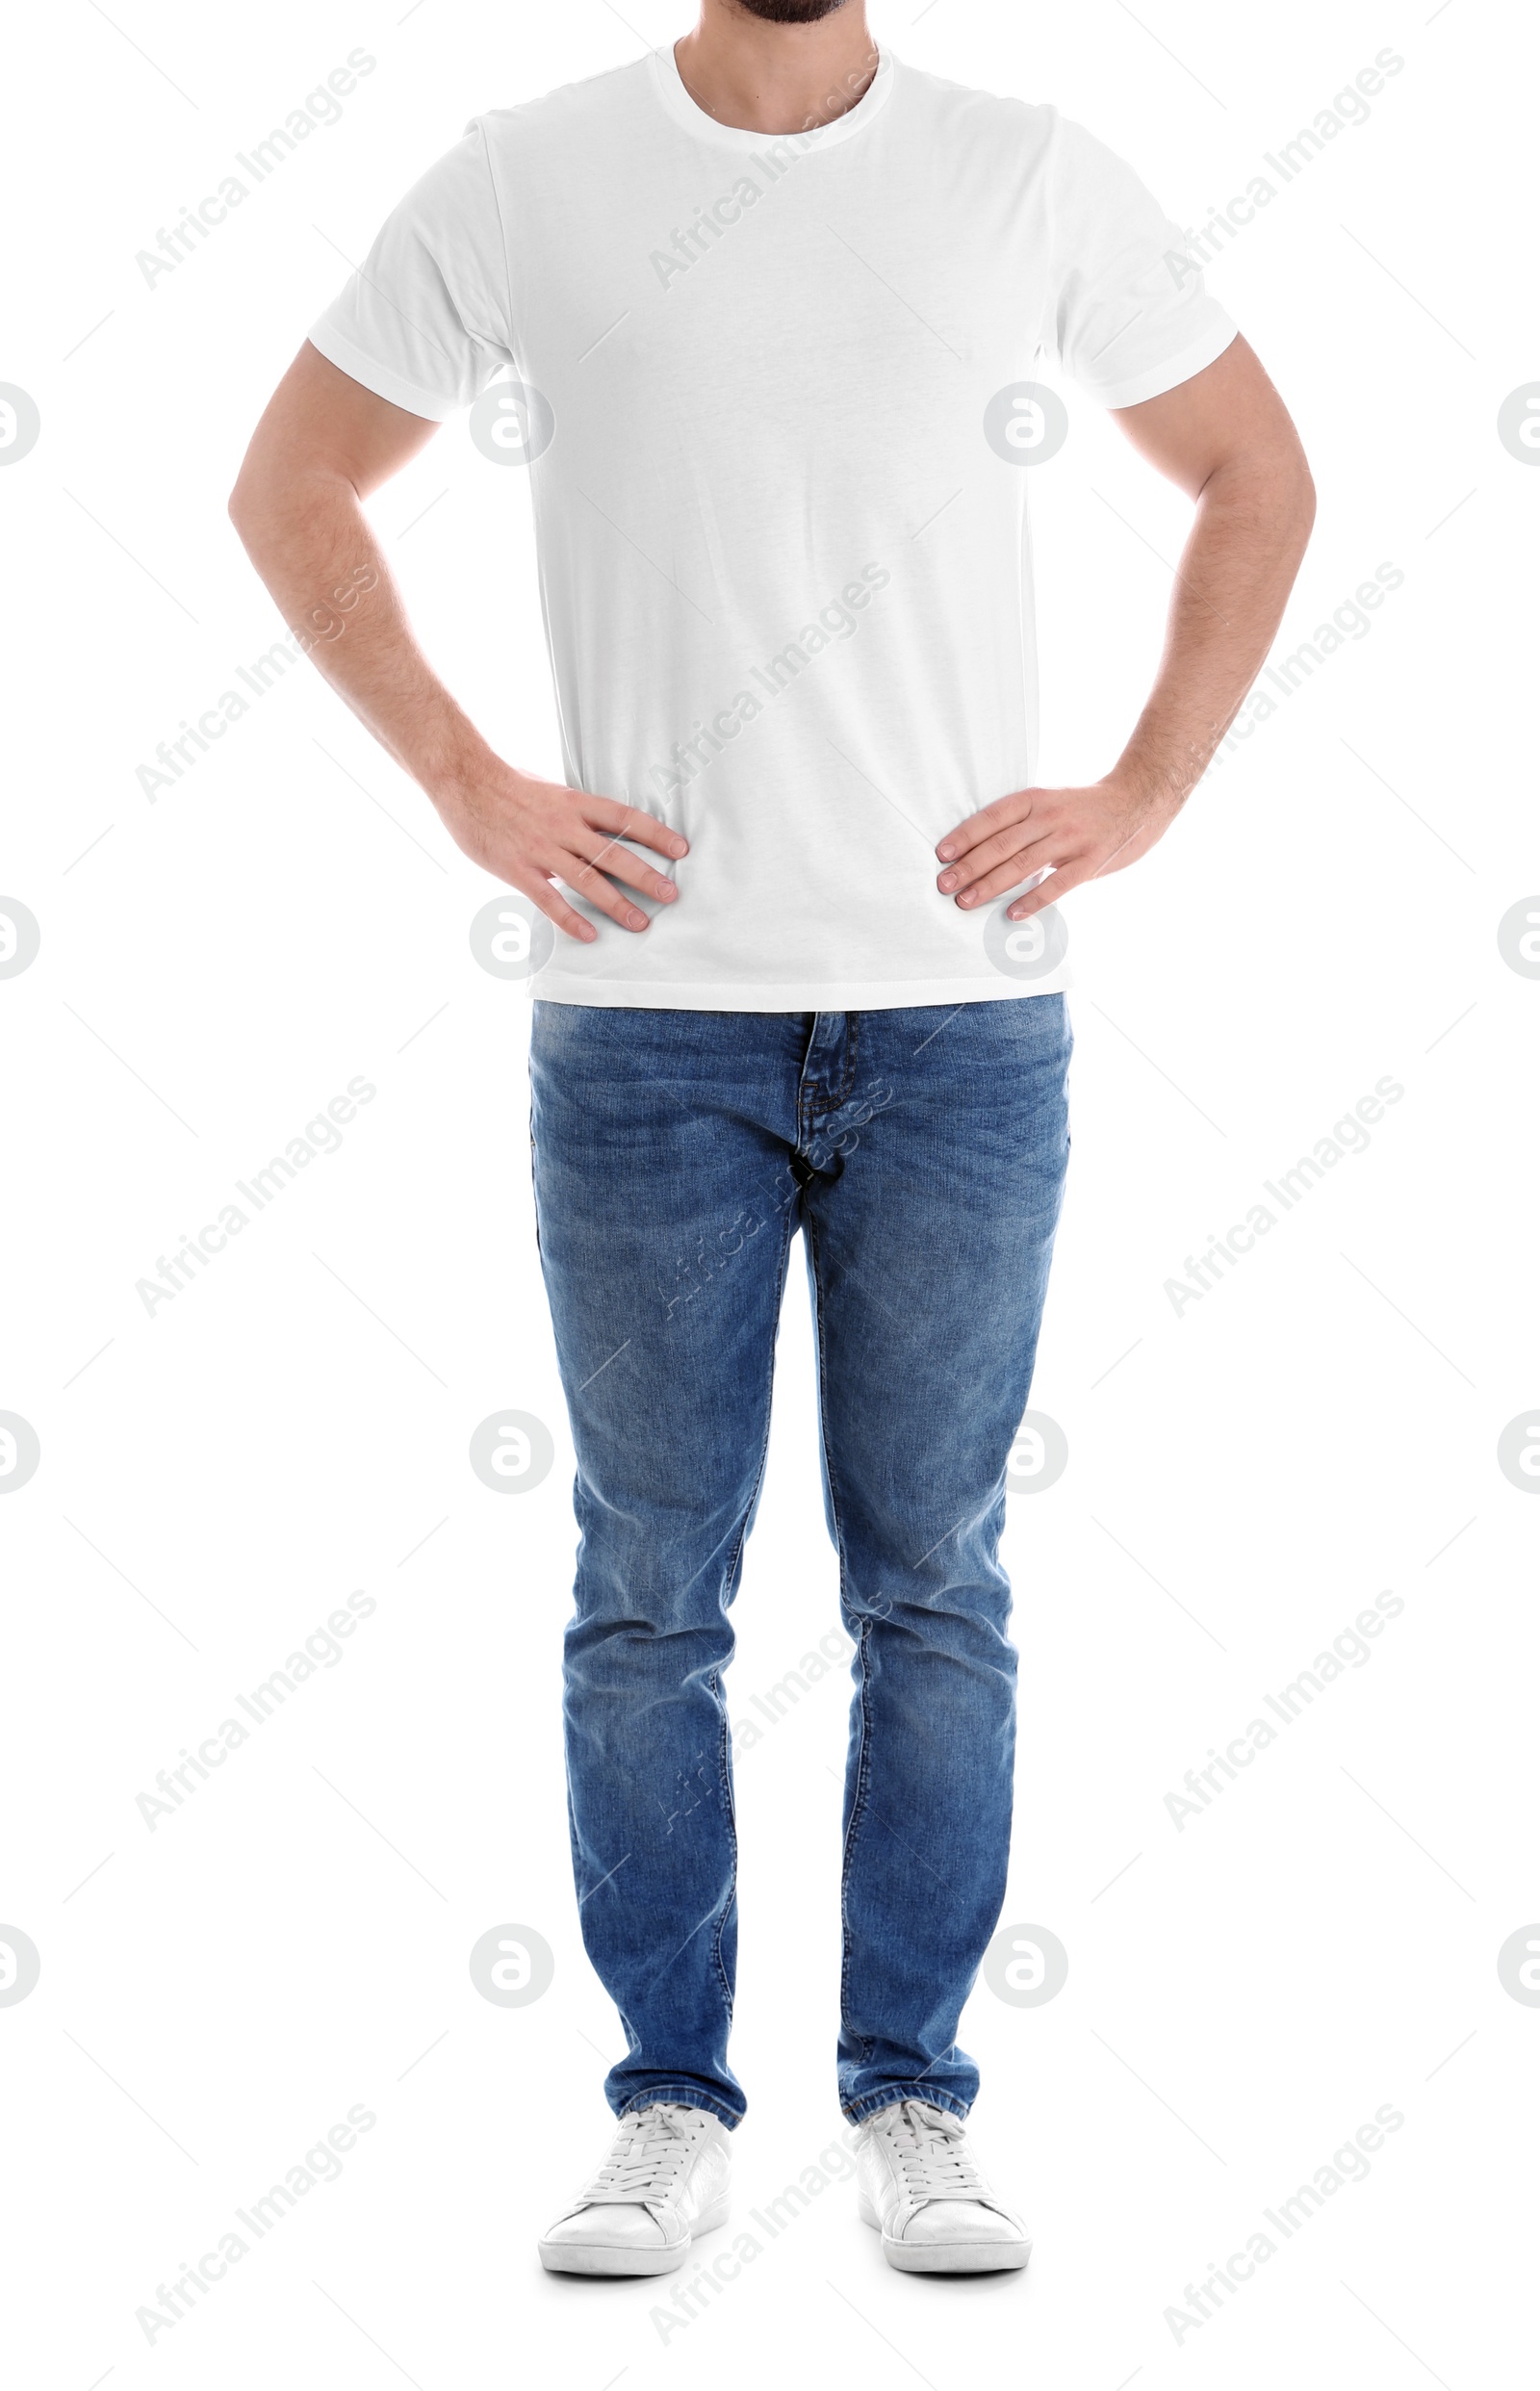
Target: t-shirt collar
[684,110]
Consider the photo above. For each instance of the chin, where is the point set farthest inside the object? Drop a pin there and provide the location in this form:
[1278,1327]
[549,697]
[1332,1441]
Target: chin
[790,12]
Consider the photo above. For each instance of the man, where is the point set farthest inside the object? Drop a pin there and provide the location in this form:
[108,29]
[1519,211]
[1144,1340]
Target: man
[775,303]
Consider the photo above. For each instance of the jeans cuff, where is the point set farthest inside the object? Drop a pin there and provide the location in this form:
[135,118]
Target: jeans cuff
[869,2103]
[683,2097]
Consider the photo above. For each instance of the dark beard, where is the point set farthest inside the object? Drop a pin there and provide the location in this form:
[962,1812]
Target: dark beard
[792,12]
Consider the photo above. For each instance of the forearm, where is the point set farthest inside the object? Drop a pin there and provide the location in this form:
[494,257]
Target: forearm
[322,446]
[1232,585]
[313,546]
[1225,439]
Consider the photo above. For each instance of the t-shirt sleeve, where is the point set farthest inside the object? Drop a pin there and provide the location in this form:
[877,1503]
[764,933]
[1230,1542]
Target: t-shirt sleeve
[1132,316]
[425,320]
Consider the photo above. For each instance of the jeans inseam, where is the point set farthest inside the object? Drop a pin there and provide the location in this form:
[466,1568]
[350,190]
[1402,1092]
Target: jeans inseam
[534,1183]
[857,1813]
[725,1749]
[858,1799]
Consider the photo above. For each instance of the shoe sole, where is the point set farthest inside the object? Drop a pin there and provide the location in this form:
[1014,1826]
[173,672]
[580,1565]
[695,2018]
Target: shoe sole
[626,2258]
[946,2257]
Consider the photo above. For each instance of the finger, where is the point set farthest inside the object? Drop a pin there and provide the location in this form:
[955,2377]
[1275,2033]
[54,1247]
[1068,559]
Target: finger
[996,816]
[608,814]
[548,900]
[1000,849]
[1055,885]
[1011,874]
[594,889]
[611,856]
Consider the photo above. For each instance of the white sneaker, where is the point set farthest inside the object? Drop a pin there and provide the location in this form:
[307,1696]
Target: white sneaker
[665,2180]
[917,2182]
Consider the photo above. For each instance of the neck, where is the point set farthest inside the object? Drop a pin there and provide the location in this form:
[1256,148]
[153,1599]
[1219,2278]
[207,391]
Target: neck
[772,78]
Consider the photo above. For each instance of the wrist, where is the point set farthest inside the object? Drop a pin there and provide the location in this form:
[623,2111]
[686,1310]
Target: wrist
[462,765]
[1146,790]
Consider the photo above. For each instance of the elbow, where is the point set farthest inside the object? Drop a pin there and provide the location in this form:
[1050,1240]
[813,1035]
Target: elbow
[1304,504]
[257,507]
[1271,488]
[1281,501]
[240,508]
[1295,488]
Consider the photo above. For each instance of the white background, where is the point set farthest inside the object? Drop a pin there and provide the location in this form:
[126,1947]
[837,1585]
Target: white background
[1244,1477]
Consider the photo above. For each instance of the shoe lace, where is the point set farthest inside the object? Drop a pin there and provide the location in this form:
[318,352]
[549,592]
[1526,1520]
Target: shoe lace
[649,2151]
[932,2151]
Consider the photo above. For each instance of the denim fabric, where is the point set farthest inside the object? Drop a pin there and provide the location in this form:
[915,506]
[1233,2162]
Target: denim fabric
[922,1152]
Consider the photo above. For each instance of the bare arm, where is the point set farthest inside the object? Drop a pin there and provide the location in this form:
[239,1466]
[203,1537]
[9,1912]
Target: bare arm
[325,443]
[1225,438]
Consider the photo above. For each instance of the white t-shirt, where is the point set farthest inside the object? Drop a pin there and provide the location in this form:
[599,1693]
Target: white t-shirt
[774,415]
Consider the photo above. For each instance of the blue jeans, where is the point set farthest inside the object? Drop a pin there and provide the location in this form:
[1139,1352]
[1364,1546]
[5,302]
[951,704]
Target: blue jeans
[922,1152]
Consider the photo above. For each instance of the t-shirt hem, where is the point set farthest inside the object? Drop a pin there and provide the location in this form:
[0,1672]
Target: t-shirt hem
[1156,379]
[381,380]
[789,995]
